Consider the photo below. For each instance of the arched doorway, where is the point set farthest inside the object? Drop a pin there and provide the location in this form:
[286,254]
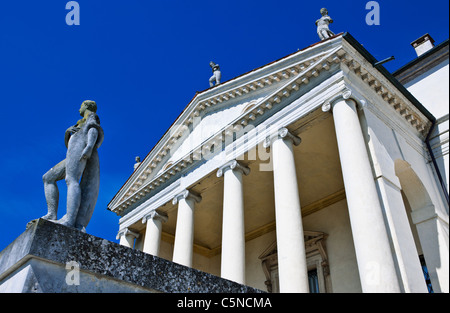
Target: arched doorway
[429,230]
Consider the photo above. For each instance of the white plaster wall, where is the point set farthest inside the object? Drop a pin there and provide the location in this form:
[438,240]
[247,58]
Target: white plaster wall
[335,222]
[254,274]
[389,140]
[440,145]
[431,89]
[166,250]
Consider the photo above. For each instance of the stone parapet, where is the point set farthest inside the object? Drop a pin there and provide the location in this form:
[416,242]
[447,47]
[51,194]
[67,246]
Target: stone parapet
[49,257]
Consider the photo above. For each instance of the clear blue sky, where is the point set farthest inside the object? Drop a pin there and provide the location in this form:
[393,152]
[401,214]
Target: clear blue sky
[142,62]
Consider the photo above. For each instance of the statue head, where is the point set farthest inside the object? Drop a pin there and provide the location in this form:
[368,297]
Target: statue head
[88,105]
[324,11]
[212,64]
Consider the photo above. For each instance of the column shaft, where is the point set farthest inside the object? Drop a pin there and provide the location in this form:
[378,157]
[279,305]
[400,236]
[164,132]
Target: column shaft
[153,231]
[127,237]
[292,270]
[127,240]
[184,232]
[373,252]
[233,227]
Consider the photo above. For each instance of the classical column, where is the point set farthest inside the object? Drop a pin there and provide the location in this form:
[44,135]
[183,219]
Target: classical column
[127,237]
[292,270]
[233,228]
[184,233]
[373,252]
[152,239]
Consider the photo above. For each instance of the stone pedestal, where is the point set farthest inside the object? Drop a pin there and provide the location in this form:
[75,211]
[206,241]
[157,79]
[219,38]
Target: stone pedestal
[50,258]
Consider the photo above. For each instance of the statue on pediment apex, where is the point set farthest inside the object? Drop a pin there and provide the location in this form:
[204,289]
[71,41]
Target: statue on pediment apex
[323,30]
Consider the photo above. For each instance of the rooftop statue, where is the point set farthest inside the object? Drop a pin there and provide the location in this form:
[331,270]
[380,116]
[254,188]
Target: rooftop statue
[82,141]
[322,25]
[216,74]
[137,162]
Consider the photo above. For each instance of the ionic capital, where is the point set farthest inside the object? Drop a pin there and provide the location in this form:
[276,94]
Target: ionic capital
[155,216]
[344,94]
[283,133]
[187,195]
[232,165]
[126,232]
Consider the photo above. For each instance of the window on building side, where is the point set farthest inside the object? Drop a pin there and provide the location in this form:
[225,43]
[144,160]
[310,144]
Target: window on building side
[426,274]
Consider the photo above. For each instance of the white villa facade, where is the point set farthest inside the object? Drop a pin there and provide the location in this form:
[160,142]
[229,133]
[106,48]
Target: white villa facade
[308,174]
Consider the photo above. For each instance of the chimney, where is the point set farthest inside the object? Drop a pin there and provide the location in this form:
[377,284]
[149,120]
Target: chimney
[423,44]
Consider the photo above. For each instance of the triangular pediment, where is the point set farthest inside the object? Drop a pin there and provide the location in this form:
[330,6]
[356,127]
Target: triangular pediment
[249,99]
[240,101]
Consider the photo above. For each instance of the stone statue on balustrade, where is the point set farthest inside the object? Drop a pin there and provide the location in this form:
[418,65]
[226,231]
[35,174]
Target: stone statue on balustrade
[217,75]
[80,169]
[322,25]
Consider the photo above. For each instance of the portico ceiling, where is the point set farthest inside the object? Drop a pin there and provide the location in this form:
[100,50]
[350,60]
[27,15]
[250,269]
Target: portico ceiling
[319,179]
